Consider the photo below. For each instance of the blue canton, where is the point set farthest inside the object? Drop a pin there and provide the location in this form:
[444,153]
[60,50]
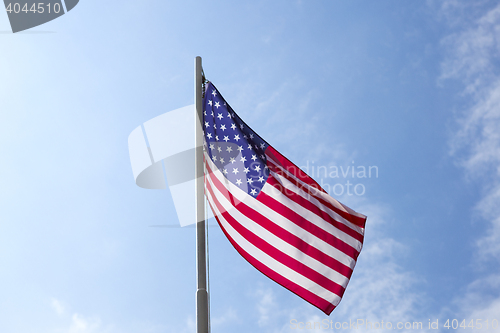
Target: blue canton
[236,150]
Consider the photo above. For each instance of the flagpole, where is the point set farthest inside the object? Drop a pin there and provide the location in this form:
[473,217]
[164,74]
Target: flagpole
[201,258]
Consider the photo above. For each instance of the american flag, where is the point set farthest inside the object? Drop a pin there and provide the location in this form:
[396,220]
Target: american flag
[276,216]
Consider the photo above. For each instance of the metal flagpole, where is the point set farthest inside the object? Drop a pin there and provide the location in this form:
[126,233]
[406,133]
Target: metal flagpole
[201,258]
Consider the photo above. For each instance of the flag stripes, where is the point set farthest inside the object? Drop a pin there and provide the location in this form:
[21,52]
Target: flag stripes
[307,216]
[342,213]
[270,213]
[273,268]
[294,243]
[267,231]
[276,216]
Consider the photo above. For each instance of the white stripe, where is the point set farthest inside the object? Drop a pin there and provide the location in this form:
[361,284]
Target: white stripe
[282,221]
[306,213]
[277,242]
[271,263]
[324,196]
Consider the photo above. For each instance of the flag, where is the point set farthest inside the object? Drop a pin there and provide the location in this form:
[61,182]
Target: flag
[276,216]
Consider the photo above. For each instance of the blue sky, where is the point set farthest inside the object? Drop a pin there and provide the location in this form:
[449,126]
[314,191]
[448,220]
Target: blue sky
[412,88]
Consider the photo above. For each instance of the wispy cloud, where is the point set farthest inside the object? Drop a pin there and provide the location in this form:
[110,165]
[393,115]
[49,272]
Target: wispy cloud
[473,58]
[81,324]
[479,304]
[73,322]
[58,306]
[230,315]
[266,306]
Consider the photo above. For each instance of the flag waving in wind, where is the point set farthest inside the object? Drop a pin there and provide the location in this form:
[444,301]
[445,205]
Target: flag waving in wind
[276,216]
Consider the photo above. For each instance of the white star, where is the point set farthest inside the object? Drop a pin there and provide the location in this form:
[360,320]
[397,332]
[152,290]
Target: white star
[215,126]
[266,167]
[253,192]
[229,149]
[212,147]
[214,158]
[240,148]
[219,115]
[257,168]
[233,126]
[263,157]
[216,138]
[236,137]
[238,182]
[225,172]
[210,102]
[245,136]
[261,179]
[226,138]
[262,145]
[256,147]
[235,170]
[228,114]
[221,160]
[212,113]
[232,160]
[246,170]
[214,93]
[209,135]
[250,146]
[250,181]
[254,157]
[219,149]
[205,112]
[251,136]
[217,105]
[241,126]
[223,127]
[243,159]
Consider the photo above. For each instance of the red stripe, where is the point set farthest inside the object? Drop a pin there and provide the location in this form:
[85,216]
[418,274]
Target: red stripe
[304,187]
[284,234]
[313,208]
[297,172]
[266,247]
[312,228]
[351,218]
[292,168]
[305,294]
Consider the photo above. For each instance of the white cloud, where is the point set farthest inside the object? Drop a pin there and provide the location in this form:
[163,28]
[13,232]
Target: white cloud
[474,54]
[266,306]
[57,306]
[76,322]
[489,245]
[228,316]
[471,50]
[480,304]
[80,324]
[190,325]
[478,135]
